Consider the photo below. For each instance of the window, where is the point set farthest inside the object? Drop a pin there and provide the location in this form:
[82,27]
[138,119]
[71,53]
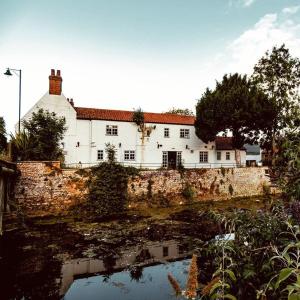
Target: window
[165,159]
[129,155]
[185,133]
[227,155]
[100,155]
[178,157]
[203,158]
[111,130]
[167,132]
[219,155]
[165,251]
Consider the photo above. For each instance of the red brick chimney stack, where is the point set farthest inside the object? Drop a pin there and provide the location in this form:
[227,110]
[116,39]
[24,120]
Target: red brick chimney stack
[55,83]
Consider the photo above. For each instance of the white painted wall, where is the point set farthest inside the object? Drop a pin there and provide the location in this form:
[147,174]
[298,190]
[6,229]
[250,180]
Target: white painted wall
[84,137]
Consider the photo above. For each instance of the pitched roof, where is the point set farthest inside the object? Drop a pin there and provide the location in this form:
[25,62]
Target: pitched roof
[225,143]
[84,113]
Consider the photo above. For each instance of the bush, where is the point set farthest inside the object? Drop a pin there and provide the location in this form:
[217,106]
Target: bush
[188,191]
[108,188]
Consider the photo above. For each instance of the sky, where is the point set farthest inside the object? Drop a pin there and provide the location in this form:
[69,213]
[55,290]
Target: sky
[125,54]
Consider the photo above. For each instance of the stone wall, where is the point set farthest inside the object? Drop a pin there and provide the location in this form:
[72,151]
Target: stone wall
[43,187]
[212,184]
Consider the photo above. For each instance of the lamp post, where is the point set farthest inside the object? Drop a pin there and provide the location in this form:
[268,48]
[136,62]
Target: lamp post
[18,73]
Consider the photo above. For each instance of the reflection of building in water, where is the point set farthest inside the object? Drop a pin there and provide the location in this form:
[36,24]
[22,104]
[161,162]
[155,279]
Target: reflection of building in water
[146,254]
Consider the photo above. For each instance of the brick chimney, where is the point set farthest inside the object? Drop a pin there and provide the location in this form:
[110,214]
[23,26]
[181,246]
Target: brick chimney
[55,83]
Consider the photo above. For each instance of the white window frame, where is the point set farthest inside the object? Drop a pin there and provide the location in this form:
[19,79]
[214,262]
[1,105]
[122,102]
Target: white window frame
[203,157]
[100,154]
[227,155]
[219,155]
[166,132]
[129,155]
[165,159]
[184,133]
[112,130]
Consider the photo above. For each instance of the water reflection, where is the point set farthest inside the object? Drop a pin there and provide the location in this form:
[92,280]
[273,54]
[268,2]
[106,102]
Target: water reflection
[125,273]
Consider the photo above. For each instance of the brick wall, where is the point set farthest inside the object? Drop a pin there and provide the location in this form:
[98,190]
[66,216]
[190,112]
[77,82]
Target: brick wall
[45,187]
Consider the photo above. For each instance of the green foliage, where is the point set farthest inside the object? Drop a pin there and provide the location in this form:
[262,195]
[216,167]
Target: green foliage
[138,117]
[3,140]
[286,281]
[278,75]
[180,111]
[22,146]
[41,137]
[110,151]
[188,192]
[248,257]
[235,105]
[287,164]
[108,188]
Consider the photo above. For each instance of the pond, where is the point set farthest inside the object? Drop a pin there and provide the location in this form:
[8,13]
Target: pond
[134,275]
[125,258]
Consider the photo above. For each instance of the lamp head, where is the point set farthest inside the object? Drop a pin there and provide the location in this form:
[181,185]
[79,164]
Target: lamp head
[8,72]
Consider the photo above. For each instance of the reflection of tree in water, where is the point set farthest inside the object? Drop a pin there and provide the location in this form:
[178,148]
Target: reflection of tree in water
[109,262]
[143,255]
[136,273]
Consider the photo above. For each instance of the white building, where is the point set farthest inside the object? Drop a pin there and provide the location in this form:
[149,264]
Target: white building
[168,138]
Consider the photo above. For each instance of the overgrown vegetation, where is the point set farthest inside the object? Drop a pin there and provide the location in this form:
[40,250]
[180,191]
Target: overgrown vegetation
[108,185]
[40,138]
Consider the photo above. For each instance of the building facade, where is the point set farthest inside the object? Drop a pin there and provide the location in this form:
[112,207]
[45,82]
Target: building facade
[166,140]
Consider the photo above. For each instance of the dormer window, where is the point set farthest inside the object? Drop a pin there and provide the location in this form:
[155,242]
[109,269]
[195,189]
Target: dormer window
[111,130]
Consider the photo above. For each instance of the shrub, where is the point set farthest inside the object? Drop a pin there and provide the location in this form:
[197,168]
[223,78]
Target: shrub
[188,191]
[108,188]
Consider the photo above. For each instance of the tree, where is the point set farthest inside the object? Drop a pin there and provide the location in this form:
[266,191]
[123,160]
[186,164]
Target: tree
[235,105]
[278,75]
[3,140]
[287,163]
[22,146]
[138,117]
[42,135]
[180,111]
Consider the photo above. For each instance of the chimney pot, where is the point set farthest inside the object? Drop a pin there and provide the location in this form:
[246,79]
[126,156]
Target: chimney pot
[72,102]
[58,73]
[52,72]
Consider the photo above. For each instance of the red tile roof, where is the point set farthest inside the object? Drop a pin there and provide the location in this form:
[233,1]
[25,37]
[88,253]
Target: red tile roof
[126,116]
[225,143]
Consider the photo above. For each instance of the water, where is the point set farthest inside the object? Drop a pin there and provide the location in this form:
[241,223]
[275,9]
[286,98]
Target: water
[153,284]
[137,273]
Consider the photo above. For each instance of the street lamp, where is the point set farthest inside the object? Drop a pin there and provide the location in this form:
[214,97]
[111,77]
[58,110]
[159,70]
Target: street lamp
[18,73]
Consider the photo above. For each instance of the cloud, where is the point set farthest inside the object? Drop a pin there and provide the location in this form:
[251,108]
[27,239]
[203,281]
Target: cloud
[248,2]
[291,10]
[271,30]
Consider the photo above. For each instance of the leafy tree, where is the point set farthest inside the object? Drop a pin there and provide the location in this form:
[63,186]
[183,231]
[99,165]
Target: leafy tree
[235,105]
[3,140]
[138,117]
[41,138]
[278,75]
[287,164]
[180,111]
